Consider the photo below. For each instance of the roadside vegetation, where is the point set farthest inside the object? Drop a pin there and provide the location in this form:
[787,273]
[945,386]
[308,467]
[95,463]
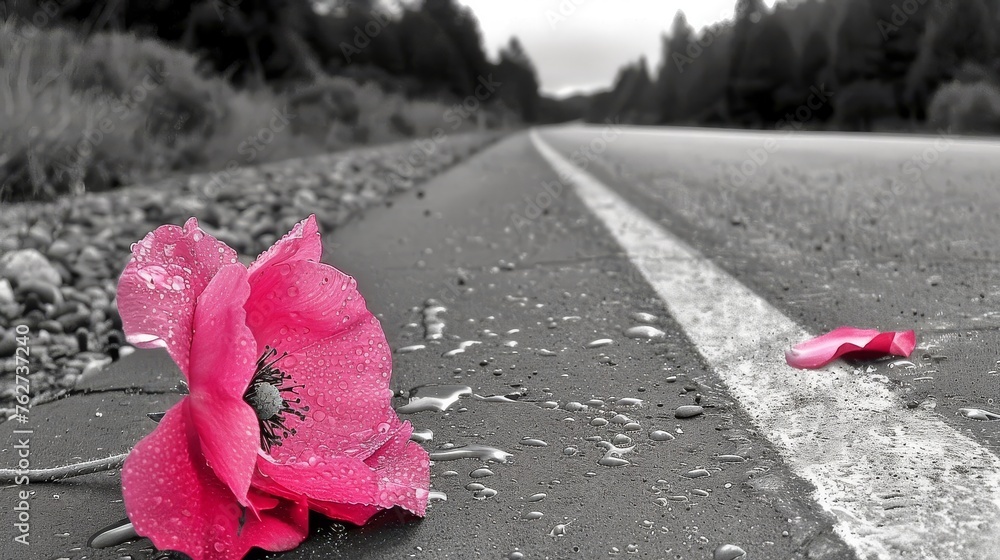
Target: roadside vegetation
[96,96]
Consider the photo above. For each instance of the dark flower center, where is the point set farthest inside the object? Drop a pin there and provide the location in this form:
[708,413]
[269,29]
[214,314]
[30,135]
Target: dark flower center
[273,399]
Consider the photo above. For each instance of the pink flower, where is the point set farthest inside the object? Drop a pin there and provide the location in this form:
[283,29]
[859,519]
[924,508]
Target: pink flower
[289,407]
[819,351]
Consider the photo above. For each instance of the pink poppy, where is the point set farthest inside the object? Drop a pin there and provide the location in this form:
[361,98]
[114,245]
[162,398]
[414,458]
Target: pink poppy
[289,407]
[819,351]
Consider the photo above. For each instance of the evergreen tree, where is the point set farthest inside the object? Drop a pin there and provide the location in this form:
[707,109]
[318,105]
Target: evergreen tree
[519,83]
[669,87]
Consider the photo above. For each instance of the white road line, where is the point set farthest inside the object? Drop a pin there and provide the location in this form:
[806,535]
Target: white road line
[901,483]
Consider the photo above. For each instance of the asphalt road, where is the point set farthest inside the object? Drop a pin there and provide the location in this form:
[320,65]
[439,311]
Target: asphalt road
[826,229]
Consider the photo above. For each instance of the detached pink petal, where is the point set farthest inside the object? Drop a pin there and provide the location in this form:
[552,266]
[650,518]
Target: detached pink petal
[819,351]
[223,358]
[302,243]
[157,292]
[195,513]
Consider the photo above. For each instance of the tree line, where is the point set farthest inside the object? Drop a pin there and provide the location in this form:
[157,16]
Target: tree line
[851,64]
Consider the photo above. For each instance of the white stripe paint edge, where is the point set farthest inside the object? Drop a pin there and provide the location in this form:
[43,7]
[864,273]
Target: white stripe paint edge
[901,482]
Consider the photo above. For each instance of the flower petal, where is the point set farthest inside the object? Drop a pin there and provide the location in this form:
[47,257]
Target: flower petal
[335,479]
[357,513]
[157,292]
[173,497]
[819,351]
[403,470]
[301,243]
[336,351]
[223,358]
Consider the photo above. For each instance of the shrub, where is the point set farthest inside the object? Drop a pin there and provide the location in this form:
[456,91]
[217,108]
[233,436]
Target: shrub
[966,108]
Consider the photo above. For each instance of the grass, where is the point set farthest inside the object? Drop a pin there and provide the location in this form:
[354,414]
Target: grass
[94,113]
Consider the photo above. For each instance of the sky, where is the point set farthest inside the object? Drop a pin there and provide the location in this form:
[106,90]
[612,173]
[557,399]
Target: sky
[579,45]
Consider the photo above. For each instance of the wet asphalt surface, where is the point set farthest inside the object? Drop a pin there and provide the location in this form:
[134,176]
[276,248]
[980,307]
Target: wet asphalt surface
[819,228]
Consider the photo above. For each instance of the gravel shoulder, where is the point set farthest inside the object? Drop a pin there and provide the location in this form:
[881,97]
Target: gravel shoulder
[60,261]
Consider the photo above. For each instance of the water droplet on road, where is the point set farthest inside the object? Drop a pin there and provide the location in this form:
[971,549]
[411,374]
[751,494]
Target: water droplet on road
[462,347]
[612,461]
[536,497]
[433,324]
[641,317]
[437,496]
[532,442]
[728,552]
[621,440]
[647,332]
[422,435]
[113,535]
[484,493]
[532,515]
[558,531]
[481,473]
[472,451]
[688,411]
[696,473]
[660,435]
[411,348]
[434,397]
[979,414]
[730,459]
[600,342]
[902,364]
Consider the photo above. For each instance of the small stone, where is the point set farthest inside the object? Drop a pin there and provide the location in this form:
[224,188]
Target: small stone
[60,250]
[91,262]
[688,411]
[45,291]
[8,344]
[74,321]
[6,292]
[28,264]
[52,326]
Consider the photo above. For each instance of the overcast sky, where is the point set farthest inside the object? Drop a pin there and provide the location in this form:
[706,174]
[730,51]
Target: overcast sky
[580,44]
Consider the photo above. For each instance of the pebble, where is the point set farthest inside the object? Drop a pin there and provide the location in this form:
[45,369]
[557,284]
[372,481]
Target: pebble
[45,291]
[28,264]
[6,292]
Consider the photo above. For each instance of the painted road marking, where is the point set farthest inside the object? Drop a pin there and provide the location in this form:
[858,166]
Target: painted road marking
[901,483]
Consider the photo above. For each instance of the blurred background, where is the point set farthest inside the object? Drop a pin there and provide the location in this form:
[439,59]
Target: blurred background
[187,85]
